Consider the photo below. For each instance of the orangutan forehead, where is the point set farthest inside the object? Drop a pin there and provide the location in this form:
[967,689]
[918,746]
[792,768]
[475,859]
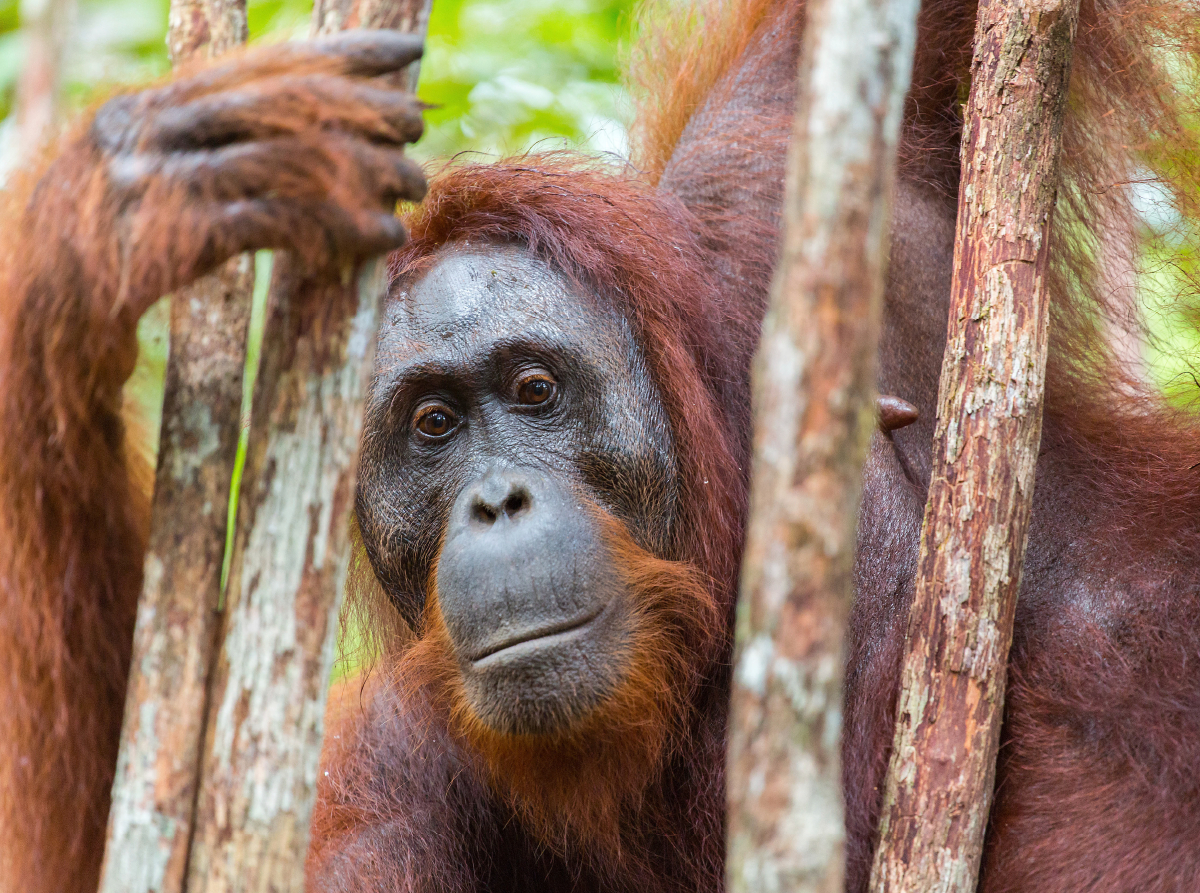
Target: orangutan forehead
[500,293]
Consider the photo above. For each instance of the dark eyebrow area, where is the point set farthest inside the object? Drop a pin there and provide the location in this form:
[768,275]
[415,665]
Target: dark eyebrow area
[395,387]
[564,353]
[399,383]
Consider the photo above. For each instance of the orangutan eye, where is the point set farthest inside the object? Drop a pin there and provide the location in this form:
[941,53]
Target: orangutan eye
[535,389]
[434,420]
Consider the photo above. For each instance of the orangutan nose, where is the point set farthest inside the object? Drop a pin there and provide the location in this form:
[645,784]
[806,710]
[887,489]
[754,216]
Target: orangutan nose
[501,495]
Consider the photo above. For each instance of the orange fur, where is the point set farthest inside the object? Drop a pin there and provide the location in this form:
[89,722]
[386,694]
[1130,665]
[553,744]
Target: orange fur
[80,261]
[78,271]
[73,524]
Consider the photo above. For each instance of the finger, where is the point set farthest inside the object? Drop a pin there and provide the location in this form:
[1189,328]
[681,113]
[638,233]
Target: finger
[383,171]
[359,53]
[322,235]
[360,173]
[285,167]
[288,105]
[370,53]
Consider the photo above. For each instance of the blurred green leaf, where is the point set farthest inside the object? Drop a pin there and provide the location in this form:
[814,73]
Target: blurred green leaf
[506,76]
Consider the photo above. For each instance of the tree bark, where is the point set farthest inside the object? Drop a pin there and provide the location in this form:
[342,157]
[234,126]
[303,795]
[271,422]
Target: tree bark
[175,639]
[291,554]
[940,779]
[211,27]
[813,389]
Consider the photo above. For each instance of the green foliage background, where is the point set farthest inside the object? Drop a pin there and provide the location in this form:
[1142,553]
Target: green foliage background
[502,75]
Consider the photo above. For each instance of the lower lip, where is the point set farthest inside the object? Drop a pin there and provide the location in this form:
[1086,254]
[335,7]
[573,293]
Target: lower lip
[537,641]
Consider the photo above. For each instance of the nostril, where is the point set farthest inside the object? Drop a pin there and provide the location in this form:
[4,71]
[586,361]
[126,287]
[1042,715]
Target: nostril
[495,499]
[483,513]
[516,503]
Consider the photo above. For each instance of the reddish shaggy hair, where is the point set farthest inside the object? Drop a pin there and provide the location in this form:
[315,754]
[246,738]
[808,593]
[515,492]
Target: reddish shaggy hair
[691,282]
[634,248]
[658,264]
[77,270]
[1114,450]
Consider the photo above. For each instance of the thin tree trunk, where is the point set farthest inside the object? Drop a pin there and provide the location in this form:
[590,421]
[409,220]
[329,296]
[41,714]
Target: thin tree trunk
[47,25]
[939,785]
[813,388]
[211,27]
[175,640]
[291,554]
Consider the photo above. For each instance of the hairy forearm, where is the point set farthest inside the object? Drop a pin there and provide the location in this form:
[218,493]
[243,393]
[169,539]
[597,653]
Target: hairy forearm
[71,521]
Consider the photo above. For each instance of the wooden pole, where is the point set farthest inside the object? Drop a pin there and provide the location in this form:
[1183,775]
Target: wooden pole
[939,785]
[814,383]
[175,639]
[291,554]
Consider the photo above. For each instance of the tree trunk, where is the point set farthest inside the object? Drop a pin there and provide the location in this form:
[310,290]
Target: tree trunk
[47,26]
[939,785]
[813,388]
[175,640]
[291,554]
[211,27]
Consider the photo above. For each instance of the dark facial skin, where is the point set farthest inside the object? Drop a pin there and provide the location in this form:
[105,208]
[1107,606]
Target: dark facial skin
[509,408]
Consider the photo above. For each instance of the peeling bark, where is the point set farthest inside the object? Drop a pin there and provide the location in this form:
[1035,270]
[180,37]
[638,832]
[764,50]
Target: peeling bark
[814,414]
[290,558]
[175,639]
[940,779]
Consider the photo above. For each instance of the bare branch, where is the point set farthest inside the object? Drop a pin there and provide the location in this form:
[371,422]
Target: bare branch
[939,785]
[814,413]
[175,640]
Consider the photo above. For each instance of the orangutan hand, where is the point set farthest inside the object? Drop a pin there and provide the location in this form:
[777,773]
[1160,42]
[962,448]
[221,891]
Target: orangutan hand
[297,146]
